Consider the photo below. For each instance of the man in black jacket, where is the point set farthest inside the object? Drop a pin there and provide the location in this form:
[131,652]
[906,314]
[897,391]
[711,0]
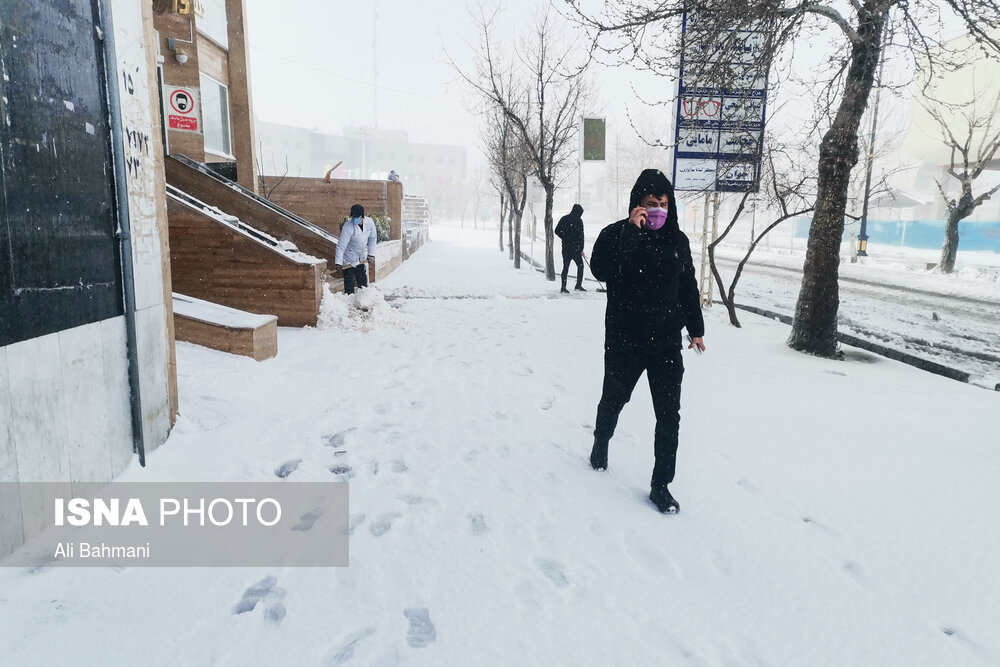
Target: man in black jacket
[570,230]
[646,262]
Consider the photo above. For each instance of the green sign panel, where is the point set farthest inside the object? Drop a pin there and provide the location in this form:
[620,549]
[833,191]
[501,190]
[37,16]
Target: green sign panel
[594,132]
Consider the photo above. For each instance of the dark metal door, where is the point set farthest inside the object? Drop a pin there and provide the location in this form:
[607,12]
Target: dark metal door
[59,257]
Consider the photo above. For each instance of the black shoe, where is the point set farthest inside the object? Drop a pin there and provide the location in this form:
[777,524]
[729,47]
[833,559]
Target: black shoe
[564,290]
[580,288]
[599,455]
[664,502]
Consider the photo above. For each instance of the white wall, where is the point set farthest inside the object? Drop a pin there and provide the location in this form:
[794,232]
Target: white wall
[64,398]
[143,174]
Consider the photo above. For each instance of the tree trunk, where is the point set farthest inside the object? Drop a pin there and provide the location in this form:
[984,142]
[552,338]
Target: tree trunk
[950,248]
[517,239]
[550,263]
[814,329]
[510,231]
[962,209]
[502,215]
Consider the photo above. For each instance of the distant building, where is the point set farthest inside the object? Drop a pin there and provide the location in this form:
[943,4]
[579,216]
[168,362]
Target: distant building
[434,171]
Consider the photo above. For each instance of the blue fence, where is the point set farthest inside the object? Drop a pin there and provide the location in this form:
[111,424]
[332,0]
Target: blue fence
[921,234]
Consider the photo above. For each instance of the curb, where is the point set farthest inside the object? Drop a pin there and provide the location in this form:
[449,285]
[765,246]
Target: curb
[881,350]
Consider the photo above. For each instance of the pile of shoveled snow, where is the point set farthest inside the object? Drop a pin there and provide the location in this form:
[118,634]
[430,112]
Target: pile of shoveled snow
[362,311]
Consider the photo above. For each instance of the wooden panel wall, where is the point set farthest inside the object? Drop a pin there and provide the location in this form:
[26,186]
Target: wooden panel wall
[181,27]
[241,96]
[326,204]
[260,343]
[258,216]
[213,60]
[211,261]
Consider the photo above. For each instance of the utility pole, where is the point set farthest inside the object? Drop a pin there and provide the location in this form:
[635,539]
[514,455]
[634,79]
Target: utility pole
[863,232]
[375,61]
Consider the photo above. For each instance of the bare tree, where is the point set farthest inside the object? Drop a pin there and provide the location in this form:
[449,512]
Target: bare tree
[541,91]
[974,140]
[510,164]
[787,191]
[643,31]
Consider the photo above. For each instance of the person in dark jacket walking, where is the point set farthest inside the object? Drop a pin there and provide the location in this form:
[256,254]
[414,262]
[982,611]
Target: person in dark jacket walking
[570,231]
[645,260]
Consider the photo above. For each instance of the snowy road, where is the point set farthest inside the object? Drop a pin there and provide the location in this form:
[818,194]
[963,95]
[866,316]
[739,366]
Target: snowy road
[461,411]
[958,331]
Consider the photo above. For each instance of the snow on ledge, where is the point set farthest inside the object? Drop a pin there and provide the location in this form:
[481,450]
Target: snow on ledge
[214,313]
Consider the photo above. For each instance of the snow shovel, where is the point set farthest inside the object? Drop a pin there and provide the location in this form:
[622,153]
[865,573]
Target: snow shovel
[601,288]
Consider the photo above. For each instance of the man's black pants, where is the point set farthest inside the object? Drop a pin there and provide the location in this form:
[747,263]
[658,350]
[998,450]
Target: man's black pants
[664,370]
[579,269]
[355,276]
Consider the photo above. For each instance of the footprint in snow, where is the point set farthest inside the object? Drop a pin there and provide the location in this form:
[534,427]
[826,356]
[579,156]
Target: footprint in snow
[343,472]
[421,632]
[384,524]
[976,648]
[307,520]
[553,571]
[255,594]
[416,405]
[746,485]
[548,403]
[275,613]
[399,466]
[336,439]
[354,521]
[477,524]
[373,468]
[345,651]
[821,527]
[264,590]
[287,468]
[500,416]
[857,572]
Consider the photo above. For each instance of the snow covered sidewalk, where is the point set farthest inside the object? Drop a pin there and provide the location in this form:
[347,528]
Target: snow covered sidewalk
[832,513]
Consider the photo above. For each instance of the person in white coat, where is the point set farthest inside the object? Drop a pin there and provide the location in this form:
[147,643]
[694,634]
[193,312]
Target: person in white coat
[355,247]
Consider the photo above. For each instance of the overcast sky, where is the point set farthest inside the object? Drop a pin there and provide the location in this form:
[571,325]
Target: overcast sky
[312,66]
[314,62]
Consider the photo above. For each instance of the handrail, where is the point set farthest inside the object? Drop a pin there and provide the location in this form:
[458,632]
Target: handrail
[202,168]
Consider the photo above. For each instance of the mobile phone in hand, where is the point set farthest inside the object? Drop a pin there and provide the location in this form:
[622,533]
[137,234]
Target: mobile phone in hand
[696,348]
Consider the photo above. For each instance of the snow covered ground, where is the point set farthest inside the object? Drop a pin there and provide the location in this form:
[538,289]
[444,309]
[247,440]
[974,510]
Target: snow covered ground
[949,319]
[832,513]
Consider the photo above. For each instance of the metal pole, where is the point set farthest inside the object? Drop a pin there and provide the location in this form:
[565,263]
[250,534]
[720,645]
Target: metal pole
[704,254]
[124,232]
[863,232]
[715,235]
[375,57]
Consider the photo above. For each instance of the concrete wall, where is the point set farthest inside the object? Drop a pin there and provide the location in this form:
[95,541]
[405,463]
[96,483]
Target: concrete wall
[64,397]
[146,185]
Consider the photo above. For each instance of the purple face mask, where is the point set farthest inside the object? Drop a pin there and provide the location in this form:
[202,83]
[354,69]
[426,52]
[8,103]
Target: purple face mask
[656,217]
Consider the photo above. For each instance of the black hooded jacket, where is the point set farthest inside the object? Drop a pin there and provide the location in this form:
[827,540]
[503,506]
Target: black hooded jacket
[652,289]
[570,230]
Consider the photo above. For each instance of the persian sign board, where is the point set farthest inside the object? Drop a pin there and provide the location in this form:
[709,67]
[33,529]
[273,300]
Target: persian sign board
[720,128]
[183,109]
